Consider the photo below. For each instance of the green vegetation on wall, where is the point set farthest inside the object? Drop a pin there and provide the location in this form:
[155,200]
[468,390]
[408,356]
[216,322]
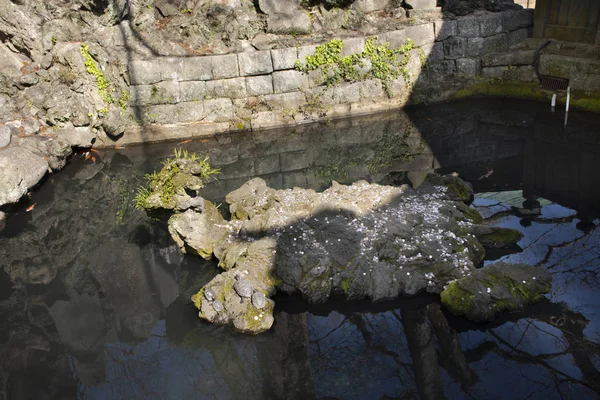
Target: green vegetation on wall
[380,61]
[92,68]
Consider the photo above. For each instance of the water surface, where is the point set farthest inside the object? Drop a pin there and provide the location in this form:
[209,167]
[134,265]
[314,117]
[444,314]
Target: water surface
[94,296]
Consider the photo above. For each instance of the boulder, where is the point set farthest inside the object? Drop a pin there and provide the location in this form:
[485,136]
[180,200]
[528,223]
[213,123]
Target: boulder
[81,136]
[361,241]
[496,288]
[21,170]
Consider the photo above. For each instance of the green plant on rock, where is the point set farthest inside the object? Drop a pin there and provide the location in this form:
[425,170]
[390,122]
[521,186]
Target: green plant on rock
[384,63]
[168,181]
[123,100]
[92,68]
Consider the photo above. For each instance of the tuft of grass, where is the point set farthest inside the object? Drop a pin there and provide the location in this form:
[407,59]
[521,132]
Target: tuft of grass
[162,182]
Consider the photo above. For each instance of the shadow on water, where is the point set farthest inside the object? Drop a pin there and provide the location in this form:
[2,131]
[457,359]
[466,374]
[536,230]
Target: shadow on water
[94,296]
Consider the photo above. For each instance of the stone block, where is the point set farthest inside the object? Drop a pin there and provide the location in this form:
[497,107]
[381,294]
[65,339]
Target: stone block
[289,81]
[347,92]
[279,6]
[196,69]
[222,155]
[517,36]
[371,89]
[144,72]
[255,63]
[234,88]
[368,6]
[504,59]
[395,39]
[315,78]
[158,93]
[297,179]
[284,58]
[467,66]
[414,66]
[523,74]
[514,20]
[455,47]
[440,71]
[353,46]
[445,29]
[295,161]
[305,51]
[421,34]
[172,67]
[240,169]
[482,46]
[258,85]
[423,4]
[268,164]
[160,114]
[224,66]
[269,119]
[433,52]
[192,90]
[282,101]
[468,27]
[491,24]
[218,110]
[192,111]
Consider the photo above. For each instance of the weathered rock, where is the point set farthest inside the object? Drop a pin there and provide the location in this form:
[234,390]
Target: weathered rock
[363,240]
[80,136]
[177,185]
[368,6]
[5,135]
[288,7]
[114,123]
[55,151]
[494,237]
[298,23]
[496,288]
[21,170]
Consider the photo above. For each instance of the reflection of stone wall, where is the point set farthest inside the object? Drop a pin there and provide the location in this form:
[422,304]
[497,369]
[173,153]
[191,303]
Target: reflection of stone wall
[261,89]
[369,147]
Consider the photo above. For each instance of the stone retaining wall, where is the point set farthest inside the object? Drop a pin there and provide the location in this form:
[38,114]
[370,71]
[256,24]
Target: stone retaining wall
[194,96]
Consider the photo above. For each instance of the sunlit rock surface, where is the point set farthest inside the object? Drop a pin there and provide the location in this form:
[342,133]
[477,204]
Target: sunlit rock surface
[362,241]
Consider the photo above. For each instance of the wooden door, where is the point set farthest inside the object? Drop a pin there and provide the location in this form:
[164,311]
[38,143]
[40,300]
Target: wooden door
[569,20]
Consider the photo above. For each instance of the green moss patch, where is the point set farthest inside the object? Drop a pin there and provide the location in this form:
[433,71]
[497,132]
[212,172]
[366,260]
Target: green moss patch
[381,61]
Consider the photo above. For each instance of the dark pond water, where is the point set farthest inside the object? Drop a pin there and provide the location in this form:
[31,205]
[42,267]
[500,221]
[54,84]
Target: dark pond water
[94,296]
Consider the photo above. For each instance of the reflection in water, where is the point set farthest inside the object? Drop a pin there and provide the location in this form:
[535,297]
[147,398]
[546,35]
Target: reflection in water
[94,296]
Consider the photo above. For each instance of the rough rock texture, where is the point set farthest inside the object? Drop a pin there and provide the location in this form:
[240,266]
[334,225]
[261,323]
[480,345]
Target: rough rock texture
[496,288]
[21,170]
[363,241]
[464,7]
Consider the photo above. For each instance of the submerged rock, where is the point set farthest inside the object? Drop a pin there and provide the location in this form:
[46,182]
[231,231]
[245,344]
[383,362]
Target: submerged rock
[362,241]
[496,288]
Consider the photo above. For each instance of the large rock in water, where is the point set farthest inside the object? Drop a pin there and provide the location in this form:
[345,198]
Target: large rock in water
[496,288]
[20,171]
[362,241]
